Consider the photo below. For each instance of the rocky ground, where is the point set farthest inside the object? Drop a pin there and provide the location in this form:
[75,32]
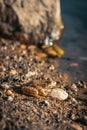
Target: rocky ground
[35,95]
[43,93]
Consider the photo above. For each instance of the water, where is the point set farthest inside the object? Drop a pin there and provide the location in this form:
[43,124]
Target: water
[74,39]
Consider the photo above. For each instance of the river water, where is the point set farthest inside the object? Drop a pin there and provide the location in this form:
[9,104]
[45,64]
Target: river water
[74,39]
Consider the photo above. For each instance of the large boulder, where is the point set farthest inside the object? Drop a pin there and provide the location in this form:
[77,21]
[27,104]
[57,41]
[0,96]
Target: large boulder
[30,20]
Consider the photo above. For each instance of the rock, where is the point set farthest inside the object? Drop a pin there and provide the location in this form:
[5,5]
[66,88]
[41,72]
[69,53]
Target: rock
[44,103]
[26,21]
[4,86]
[30,74]
[13,72]
[76,126]
[59,93]
[74,87]
[10,98]
[9,93]
[51,67]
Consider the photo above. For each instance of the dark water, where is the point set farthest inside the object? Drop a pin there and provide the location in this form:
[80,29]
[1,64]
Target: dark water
[74,39]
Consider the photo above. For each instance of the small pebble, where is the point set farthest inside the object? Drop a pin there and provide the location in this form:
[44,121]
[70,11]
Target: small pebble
[5,86]
[73,117]
[74,87]
[76,126]
[30,74]
[59,94]
[44,103]
[52,67]
[9,93]
[52,84]
[13,72]
[10,98]
[2,68]
[24,52]
[74,100]
[42,55]
[22,46]
[42,92]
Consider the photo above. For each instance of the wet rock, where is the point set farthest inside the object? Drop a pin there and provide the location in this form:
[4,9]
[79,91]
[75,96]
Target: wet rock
[27,21]
[60,94]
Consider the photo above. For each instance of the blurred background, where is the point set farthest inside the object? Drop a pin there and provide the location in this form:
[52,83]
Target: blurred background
[74,39]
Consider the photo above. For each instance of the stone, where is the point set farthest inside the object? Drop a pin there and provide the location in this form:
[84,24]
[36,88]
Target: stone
[59,94]
[10,98]
[9,93]
[74,87]
[76,126]
[23,20]
[5,86]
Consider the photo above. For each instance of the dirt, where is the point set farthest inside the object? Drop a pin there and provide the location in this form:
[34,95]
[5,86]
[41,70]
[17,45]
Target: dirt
[29,67]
